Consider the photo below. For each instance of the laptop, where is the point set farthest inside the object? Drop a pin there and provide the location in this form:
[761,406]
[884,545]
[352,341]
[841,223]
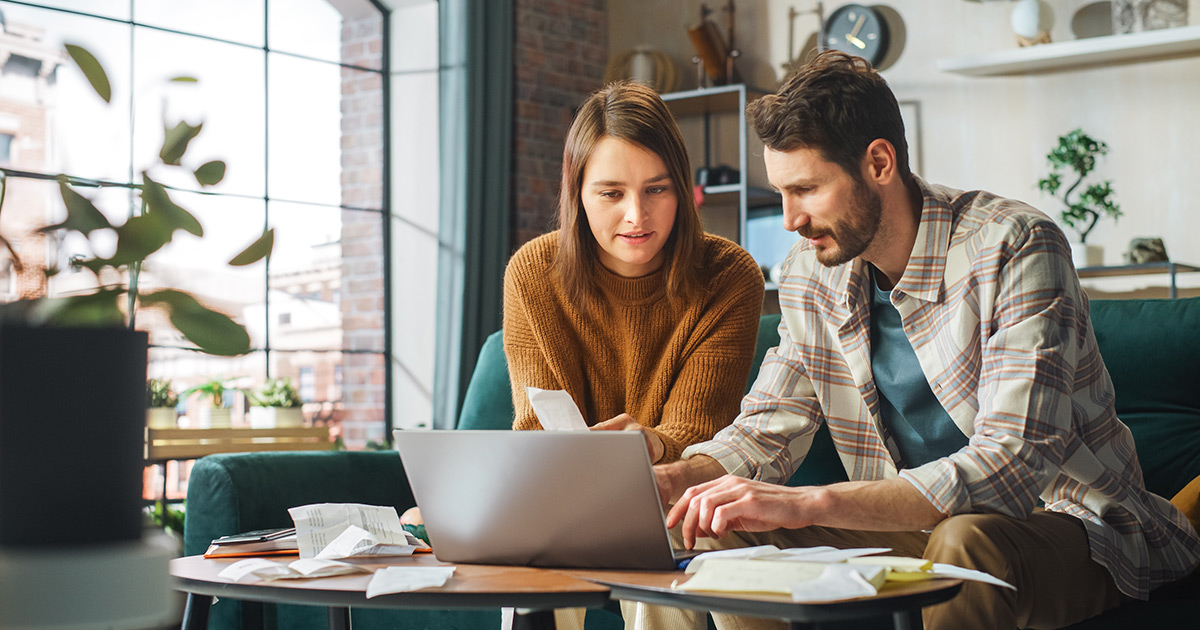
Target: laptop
[577,499]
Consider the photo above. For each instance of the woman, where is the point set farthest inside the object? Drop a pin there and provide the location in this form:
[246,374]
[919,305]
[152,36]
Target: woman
[647,322]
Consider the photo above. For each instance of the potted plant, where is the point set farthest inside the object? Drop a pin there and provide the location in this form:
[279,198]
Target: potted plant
[276,404]
[217,415]
[89,340]
[161,401]
[1076,154]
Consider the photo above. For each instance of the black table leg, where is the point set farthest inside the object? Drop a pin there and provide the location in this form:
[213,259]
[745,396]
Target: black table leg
[907,620]
[534,620]
[339,618]
[195,612]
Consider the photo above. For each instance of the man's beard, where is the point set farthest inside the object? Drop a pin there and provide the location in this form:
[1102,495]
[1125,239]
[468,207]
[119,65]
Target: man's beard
[851,234]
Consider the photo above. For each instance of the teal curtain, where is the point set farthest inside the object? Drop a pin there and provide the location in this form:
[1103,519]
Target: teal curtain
[476,94]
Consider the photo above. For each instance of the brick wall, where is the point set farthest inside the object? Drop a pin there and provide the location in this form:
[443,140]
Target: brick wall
[362,287]
[561,49]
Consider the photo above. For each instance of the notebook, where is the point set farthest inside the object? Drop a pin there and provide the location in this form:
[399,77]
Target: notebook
[578,499]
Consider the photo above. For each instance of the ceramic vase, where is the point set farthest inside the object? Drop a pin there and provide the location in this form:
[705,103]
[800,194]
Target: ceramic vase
[1083,255]
[161,418]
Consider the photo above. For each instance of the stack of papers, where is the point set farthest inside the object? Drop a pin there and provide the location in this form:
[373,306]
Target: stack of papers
[330,531]
[814,574]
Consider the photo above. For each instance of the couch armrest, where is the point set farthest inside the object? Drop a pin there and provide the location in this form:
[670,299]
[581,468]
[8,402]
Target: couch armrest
[237,492]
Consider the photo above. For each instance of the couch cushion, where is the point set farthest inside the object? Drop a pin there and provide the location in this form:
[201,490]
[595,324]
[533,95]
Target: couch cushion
[1150,348]
[822,466]
[488,401]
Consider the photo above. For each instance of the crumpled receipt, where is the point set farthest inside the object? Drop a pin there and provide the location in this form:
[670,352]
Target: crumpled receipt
[555,409]
[261,569]
[404,579]
[346,530]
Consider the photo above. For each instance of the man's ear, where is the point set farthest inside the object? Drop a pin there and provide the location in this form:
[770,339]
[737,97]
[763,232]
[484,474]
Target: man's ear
[879,162]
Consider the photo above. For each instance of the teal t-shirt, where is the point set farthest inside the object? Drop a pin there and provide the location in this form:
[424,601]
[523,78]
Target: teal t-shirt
[920,425]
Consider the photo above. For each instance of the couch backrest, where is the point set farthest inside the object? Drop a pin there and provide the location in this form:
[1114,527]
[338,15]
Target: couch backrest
[1151,348]
[488,403]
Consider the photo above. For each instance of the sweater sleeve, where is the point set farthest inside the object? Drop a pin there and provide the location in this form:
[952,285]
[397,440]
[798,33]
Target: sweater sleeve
[526,361]
[709,387]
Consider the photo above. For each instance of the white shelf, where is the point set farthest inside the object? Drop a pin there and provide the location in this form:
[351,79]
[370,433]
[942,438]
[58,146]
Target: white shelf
[1080,53]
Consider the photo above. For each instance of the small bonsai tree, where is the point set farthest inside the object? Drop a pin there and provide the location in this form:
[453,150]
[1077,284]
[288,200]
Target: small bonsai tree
[160,393]
[277,392]
[1077,152]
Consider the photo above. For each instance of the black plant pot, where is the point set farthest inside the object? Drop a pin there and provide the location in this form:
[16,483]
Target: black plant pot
[72,416]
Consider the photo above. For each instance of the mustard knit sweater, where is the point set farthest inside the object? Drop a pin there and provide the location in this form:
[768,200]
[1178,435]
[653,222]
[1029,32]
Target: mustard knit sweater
[679,371]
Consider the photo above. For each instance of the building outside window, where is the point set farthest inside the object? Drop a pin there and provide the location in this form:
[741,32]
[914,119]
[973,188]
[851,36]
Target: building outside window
[291,96]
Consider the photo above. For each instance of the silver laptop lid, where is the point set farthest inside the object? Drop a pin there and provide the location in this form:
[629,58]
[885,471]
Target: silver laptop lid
[583,499]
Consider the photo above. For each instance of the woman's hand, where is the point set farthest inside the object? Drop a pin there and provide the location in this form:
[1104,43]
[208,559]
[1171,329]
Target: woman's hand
[625,422]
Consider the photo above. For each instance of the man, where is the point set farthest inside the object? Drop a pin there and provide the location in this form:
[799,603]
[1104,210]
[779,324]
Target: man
[943,337]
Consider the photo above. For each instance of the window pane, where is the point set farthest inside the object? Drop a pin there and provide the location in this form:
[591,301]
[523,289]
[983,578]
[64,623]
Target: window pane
[185,368]
[233,20]
[108,8]
[57,121]
[306,278]
[315,375]
[326,133]
[349,33]
[305,126]
[32,204]
[227,99]
[200,267]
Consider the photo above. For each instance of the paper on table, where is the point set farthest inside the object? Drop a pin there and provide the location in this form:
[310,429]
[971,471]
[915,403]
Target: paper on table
[822,554]
[403,579]
[319,524]
[951,571]
[555,409]
[356,542]
[741,552]
[840,581]
[747,575]
[255,569]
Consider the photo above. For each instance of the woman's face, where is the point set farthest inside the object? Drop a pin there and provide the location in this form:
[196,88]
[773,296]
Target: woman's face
[630,202]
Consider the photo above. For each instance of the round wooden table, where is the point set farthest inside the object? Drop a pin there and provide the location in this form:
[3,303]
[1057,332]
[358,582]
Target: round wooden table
[538,591]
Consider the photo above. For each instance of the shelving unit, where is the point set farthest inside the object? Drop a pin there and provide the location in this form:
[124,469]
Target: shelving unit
[1142,269]
[1082,53]
[708,104]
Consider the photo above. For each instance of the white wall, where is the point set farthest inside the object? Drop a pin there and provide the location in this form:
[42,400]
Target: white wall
[994,133]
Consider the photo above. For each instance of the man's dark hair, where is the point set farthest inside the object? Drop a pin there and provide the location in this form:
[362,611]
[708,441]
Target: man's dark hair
[836,104]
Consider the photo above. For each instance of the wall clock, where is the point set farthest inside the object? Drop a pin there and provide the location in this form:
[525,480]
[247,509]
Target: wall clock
[857,30]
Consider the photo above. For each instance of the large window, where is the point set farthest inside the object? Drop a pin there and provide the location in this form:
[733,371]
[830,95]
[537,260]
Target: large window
[291,96]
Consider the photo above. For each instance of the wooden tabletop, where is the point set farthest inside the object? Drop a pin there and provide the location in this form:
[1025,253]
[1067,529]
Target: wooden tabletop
[473,586]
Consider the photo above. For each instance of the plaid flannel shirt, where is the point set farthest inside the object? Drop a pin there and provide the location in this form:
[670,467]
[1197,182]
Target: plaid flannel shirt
[998,321]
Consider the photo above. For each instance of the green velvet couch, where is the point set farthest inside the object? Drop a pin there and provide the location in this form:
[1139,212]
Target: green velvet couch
[1150,347]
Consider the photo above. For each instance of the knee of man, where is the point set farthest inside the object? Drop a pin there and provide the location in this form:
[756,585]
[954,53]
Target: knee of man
[958,539]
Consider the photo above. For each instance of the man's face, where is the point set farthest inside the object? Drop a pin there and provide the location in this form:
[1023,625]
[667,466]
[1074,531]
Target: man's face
[838,214]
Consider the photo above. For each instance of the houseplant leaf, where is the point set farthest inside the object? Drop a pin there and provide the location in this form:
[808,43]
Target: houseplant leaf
[175,142]
[257,250]
[139,237]
[93,309]
[92,70]
[82,214]
[210,173]
[213,332]
[159,202]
